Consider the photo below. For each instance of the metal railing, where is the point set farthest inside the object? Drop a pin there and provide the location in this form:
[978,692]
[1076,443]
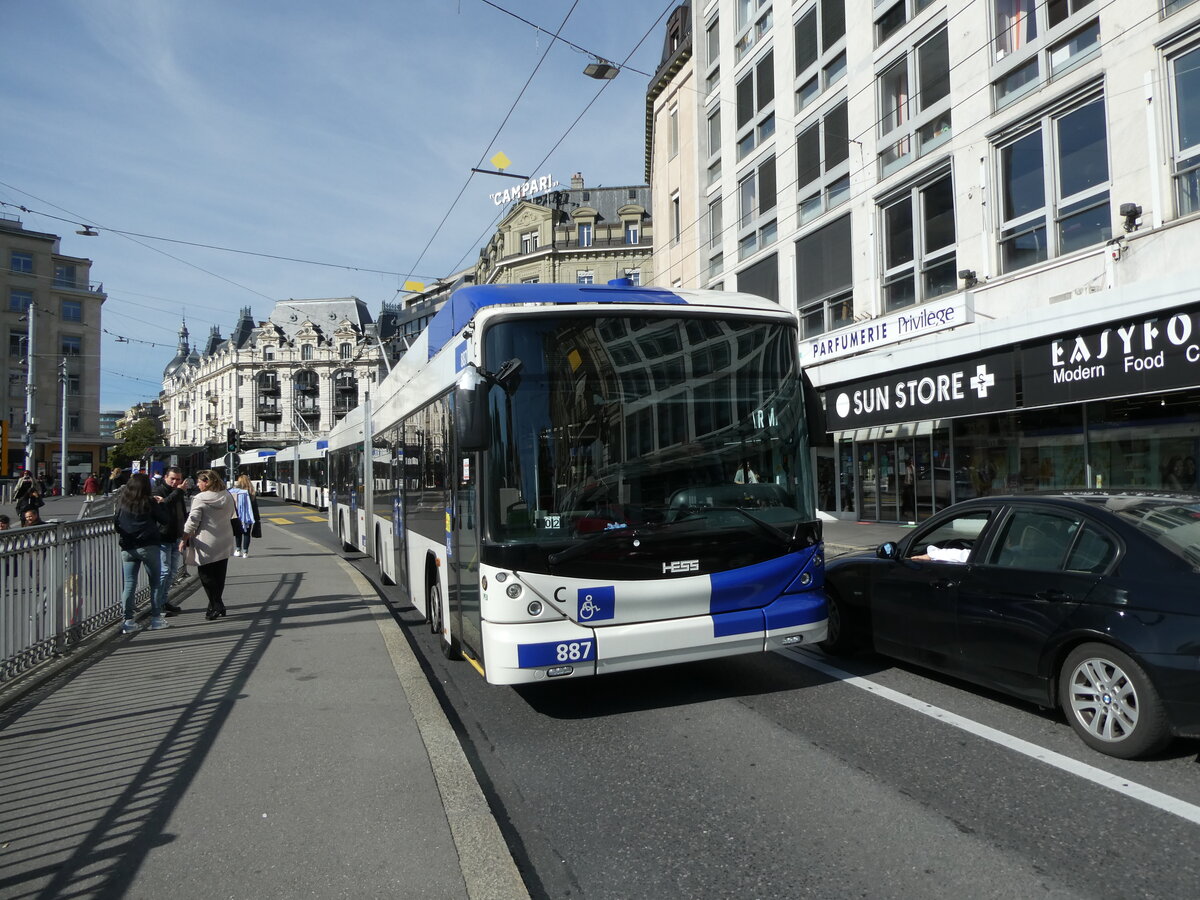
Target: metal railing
[59,584]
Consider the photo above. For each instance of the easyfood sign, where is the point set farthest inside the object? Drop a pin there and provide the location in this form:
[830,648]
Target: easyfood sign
[965,388]
[936,316]
[1138,356]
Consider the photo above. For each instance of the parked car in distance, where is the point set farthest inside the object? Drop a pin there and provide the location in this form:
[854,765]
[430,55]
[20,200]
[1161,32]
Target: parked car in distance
[1089,601]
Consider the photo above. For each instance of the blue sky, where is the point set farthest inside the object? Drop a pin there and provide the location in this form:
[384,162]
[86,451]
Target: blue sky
[337,133]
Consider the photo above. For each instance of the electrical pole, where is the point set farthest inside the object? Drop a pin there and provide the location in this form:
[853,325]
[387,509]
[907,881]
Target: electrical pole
[30,390]
[62,463]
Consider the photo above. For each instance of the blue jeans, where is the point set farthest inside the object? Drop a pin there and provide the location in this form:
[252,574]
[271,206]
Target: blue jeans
[171,561]
[243,539]
[131,562]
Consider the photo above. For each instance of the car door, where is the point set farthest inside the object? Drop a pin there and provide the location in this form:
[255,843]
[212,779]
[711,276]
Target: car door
[1043,563]
[914,599]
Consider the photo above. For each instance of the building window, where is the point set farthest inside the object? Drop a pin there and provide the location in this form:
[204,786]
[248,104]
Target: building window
[70,345]
[306,351]
[1174,6]
[72,311]
[890,16]
[676,220]
[74,422]
[753,24]
[820,40]
[823,163]
[64,276]
[16,344]
[824,278]
[585,234]
[634,275]
[714,133]
[533,279]
[1185,82]
[345,350]
[529,241]
[19,301]
[268,353]
[1052,209]
[919,258]
[715,222]
[914,103]
[756,105]
[73,385]
[633,232]
[585,276]
[712,36]
[21,262]
[673,133]
[1036,41]
[756,209]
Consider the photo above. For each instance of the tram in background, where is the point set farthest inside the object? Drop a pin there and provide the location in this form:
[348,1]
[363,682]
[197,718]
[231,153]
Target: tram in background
[572,479]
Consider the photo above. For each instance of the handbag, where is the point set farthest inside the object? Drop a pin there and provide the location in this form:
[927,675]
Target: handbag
[256,530]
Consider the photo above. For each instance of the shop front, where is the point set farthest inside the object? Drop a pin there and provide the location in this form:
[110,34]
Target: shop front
[1116,406]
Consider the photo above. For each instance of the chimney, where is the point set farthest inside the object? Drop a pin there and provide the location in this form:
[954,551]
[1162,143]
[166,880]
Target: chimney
[577,181]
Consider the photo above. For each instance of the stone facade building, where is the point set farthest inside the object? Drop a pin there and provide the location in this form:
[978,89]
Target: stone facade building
[66,324]
[580,236]
[284,379]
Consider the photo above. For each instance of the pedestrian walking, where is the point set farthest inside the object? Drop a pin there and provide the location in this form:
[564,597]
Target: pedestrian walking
[208,538]
[28,494]
[91,487]
[116,480]
[172,489]
[138,520]
[246,504]
[31,516]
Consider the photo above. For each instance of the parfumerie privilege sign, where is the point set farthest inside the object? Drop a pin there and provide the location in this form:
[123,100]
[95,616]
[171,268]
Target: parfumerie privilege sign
[902,326]
[1137,356]
[1141,355]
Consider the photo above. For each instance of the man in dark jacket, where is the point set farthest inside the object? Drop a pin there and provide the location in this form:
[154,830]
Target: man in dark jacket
[175,504]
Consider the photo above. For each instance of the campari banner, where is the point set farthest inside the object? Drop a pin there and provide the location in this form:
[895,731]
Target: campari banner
[1140,355]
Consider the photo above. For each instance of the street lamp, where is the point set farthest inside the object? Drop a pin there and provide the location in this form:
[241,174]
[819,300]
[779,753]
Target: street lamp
[601,70]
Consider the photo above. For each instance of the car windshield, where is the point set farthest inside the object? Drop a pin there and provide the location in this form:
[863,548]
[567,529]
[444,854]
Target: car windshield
[622,424]
[1174,524]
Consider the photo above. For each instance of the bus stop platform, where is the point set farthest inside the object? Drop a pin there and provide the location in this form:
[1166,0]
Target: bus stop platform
[293,748]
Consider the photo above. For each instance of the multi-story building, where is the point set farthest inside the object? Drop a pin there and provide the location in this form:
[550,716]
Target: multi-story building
[983,213]
[149,410]
[47,295]
[581,235]
[108,423]
[289,377]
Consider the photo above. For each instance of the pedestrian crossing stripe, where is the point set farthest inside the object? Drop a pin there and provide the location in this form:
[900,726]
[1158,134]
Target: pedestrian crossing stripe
[280,521]
[317,518]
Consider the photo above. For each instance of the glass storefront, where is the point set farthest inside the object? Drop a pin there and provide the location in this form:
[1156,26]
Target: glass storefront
[905,473]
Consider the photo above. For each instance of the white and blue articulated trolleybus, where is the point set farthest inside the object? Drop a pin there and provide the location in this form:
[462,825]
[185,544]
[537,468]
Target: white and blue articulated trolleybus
[574,479]
[301,473]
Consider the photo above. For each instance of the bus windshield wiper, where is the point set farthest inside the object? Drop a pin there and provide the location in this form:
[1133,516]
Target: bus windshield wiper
[777,534]
[599,539]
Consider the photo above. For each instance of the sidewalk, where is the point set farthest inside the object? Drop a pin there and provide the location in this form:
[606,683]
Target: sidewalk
[847,536]
[291,749]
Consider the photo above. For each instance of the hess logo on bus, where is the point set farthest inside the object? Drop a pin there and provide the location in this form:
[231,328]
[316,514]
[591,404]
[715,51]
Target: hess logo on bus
[681,566]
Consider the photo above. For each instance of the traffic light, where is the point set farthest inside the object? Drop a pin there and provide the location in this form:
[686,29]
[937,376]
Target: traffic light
[232,441]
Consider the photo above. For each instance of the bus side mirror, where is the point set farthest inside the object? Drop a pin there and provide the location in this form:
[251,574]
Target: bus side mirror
[471,424]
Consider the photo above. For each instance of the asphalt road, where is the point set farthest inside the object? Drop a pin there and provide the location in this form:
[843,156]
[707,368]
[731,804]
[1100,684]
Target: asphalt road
[794,774]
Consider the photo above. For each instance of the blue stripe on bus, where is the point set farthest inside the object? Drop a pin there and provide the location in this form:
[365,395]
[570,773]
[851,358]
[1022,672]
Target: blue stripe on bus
[756,585]
[744,621]
[791,610]
[465,302]
[556,653]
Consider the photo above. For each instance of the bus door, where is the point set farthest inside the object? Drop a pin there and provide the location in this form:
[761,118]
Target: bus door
[399,529]
[465,609]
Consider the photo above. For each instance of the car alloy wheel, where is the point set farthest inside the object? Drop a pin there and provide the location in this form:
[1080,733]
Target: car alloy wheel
[1110,702]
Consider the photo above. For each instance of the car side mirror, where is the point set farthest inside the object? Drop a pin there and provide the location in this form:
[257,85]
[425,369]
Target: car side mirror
[887,551]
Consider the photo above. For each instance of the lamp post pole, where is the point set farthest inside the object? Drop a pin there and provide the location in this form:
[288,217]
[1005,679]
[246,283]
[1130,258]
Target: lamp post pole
[30,389]
[62,465]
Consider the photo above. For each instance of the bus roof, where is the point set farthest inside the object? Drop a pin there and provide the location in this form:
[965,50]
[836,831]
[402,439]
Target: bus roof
[466,301]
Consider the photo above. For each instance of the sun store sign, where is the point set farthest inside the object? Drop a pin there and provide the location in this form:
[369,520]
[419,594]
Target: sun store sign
[956,310]
[526,189]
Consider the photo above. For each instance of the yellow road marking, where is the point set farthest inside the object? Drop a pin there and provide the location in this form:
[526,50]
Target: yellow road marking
[317,518]
[280,521]
[478,668]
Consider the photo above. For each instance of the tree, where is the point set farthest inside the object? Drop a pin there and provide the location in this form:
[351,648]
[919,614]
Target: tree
[138,438]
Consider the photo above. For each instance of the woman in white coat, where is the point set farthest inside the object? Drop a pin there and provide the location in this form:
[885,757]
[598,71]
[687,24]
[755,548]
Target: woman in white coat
[208,540]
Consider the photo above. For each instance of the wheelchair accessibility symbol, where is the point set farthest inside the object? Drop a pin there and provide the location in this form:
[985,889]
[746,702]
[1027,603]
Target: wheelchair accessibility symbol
[597,603]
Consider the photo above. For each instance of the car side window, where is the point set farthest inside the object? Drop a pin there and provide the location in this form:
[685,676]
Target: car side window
[1094,552]
[957,533]
[1035,539]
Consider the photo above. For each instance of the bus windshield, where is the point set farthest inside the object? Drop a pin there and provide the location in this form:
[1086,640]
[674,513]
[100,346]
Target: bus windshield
[618,425]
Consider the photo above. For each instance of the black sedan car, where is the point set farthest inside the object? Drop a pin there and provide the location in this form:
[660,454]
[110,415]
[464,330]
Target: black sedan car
[1088,601]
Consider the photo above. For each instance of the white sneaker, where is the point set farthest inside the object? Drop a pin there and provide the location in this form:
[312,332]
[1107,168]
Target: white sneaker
[237,552]
[130,627]
[245,553]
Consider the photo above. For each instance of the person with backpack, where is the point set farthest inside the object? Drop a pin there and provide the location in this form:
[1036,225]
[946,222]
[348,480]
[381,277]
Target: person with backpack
[140,519]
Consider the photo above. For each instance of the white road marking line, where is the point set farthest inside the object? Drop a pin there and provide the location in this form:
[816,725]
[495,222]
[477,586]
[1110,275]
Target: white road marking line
[1132,789]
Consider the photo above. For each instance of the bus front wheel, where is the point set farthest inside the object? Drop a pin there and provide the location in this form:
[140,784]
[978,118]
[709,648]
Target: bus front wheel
[448,647]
